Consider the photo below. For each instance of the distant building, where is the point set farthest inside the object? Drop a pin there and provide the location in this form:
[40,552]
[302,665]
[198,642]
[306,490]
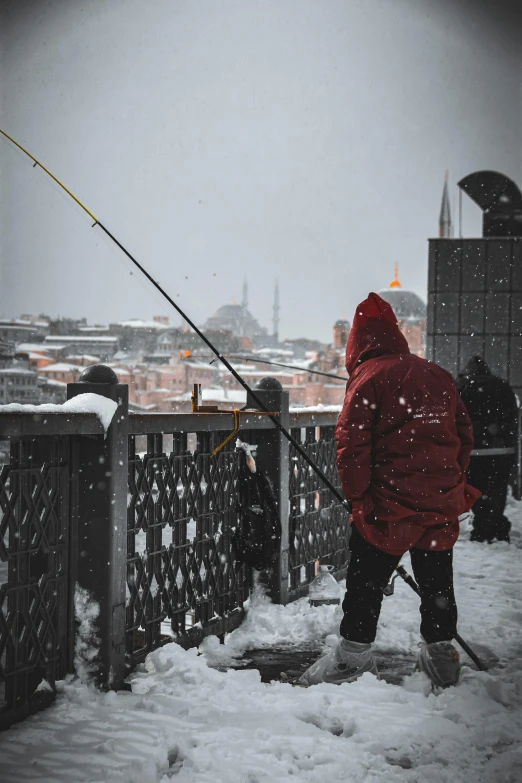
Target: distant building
[136,336]
[82,359]
[17,331]
[341,331]
[52,391]
[240,324]
[300,347]
[178,342]
[237,320]
[61,371]
[18,385]
[411,313]
[59,326]
[103,347]
[6,357]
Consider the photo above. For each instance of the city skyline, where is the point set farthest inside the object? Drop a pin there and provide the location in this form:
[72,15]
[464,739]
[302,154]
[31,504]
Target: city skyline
[302,141]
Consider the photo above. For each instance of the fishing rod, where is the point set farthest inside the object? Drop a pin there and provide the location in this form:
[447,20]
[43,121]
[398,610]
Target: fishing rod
[288,366]
[260,404]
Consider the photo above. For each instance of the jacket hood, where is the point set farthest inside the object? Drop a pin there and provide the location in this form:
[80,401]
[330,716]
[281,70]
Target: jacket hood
[476,366]
[375,332]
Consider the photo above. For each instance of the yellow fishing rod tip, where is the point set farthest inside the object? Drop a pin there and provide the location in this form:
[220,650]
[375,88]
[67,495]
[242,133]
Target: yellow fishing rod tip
[50,174]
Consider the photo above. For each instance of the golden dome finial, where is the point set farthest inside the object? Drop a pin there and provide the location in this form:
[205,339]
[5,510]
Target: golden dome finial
[395,282]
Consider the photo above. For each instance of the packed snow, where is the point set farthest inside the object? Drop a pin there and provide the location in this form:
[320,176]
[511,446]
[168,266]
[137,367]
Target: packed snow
[82,403]
[86,648]
[316,409]
[191,719]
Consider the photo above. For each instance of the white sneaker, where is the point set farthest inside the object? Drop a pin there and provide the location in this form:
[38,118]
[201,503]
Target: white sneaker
[347,662]
[441,662]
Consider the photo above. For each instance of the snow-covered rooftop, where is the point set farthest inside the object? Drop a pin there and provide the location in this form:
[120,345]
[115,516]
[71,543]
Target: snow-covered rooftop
[85,357]
[38,355]
[137,323]
[52,382]
[273,352]
[28,347]
[16,371]
[61,367]
[81,338]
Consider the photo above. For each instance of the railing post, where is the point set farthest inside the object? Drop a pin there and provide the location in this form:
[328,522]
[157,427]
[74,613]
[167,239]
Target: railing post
[102,521]
[273,458]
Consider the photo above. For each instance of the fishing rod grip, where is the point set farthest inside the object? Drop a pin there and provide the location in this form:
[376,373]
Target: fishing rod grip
[408,579]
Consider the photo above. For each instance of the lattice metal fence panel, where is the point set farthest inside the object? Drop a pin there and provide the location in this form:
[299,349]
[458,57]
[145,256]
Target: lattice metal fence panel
[182,578]
[319,527]
[35,601]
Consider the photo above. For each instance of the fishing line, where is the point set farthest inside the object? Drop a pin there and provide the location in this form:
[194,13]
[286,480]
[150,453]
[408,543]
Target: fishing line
[288,366]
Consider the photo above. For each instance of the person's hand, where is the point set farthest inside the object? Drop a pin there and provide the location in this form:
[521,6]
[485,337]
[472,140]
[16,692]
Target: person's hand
[362,508]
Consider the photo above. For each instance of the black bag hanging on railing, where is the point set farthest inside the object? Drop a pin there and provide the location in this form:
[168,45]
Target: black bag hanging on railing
[257,537]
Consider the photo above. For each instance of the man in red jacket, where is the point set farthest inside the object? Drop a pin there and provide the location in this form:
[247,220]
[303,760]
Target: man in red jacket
[404,440]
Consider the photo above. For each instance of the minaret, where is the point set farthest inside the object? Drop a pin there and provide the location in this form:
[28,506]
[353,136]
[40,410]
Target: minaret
[244,303]
[276,312]
[445,228]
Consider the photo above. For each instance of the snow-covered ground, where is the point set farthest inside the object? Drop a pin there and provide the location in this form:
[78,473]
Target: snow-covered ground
[188,721]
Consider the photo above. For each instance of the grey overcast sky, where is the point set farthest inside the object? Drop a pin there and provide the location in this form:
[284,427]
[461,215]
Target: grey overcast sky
[300,139]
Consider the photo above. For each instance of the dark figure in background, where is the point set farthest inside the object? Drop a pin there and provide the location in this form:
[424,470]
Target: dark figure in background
[492,408]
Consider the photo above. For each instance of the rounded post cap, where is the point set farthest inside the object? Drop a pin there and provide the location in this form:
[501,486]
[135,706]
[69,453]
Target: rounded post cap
[268,384]
[99,373]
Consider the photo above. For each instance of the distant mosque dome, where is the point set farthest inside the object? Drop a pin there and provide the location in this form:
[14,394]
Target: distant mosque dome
[231,311]
[406,305]
[237,319]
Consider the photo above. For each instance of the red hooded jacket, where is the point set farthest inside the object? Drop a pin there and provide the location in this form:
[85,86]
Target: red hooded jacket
[403,439]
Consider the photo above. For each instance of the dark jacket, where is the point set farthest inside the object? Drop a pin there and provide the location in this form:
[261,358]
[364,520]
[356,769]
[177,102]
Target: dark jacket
[403,439]
[491,405]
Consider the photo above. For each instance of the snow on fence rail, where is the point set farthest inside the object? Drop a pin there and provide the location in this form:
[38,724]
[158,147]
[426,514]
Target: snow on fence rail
[141,516]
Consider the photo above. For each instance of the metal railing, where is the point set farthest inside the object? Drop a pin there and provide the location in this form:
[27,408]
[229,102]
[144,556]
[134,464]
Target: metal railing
[38,530]
[142,519]
[182,577]
[318,527]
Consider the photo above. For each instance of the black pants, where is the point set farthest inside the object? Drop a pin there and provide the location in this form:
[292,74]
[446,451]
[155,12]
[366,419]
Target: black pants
[370,569]
[490,475]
